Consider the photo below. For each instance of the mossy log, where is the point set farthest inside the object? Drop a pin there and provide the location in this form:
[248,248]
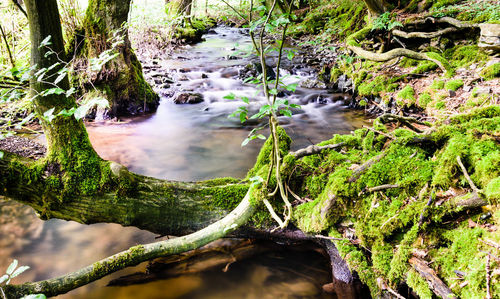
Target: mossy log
[138,254]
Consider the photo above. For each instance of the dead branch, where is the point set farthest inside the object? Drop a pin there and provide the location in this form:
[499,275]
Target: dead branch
[435,283]
[379,132]
[490,243]
[422,215]
[487,266]
[361,169]
[382,187]
[464,170]
[315,149]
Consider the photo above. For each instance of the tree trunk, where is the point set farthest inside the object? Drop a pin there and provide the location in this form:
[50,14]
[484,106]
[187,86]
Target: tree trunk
[71,159]
[375,7]
[120,80]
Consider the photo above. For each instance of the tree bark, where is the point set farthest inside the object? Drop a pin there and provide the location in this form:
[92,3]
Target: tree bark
[120,81]
[375,7]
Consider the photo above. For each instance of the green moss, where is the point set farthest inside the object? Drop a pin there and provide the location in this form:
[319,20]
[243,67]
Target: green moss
[491,72]
[449,69]
[492,190]
[418,284]
[424,99]
[437,84]
[407,95]
[425,67]
[454,84]
[461,56]
[377,86]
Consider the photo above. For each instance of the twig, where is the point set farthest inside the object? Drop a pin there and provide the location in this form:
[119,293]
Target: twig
[236,11]
[491,255]
[382,187]
[422,215]
[20,8]
[464,170]
[3,294]
[8,47]
[395,293]
[330,238]
[490,243]
[315,149]
[361,169]
[379,132]
[488,292]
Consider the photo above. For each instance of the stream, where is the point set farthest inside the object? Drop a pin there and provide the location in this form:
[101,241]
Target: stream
[185,142]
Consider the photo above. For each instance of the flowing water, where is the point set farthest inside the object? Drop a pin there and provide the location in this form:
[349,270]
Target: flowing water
[184,142]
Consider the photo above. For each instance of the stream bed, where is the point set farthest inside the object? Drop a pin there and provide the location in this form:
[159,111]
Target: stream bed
[185,142]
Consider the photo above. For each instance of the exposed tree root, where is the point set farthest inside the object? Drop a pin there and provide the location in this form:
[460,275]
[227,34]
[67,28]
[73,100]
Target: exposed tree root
[395,53]
[427,35]
[353,42]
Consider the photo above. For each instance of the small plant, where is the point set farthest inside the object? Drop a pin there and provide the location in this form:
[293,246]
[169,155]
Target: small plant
[386,21]
[13,271]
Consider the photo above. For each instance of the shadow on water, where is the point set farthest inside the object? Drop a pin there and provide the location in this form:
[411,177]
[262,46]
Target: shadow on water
[183,142]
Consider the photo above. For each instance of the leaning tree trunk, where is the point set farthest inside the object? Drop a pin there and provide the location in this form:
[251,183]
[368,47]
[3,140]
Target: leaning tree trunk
[375,7]
[120,80]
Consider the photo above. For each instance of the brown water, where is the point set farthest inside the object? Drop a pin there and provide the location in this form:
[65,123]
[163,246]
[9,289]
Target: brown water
[181,142]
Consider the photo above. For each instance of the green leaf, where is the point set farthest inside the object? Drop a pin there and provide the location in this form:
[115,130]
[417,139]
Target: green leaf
[5,276]
[35,296]
[295,106]
[70,92]
[11,267]
[273,91]
[290,55]
[60,77]
[45,42]
[245,100]
[291,87]
[51,91]
[246,141]
[260,136]
[1,157]
[48,115]
[19,271]
[230,96]
[286,112]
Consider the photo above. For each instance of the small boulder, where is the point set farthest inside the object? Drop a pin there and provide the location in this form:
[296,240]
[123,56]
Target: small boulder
[189,98]
[490,37]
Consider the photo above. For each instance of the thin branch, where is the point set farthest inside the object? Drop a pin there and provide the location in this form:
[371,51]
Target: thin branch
[379,132]
[20,8]
[464,170]
[330,238]
[315,149]
[236,11]
[487,266]
[8,47]
[382,187]
[422,215]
